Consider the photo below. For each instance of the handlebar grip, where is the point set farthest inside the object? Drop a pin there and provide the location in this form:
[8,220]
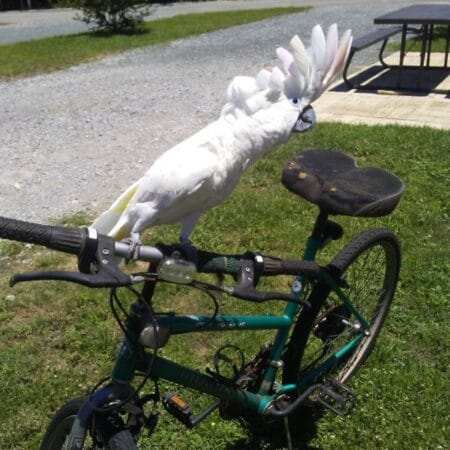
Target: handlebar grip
[294,267]
[215,263]
[68,240]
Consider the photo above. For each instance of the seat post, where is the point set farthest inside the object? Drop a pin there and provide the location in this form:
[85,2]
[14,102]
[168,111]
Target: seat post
[315,241]
[320,226]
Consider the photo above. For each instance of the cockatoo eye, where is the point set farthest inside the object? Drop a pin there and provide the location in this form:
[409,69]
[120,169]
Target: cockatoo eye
[295,101]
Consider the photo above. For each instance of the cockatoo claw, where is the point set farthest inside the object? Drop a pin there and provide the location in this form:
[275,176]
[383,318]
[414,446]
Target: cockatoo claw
[135,241]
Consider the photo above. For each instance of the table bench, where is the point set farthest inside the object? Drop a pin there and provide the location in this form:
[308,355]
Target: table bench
[365,41]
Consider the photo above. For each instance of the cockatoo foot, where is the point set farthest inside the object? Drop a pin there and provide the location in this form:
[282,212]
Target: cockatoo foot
[135,237]
[135,241]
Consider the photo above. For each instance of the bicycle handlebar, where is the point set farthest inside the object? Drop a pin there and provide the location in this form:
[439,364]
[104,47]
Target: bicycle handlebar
[93,248]
[68,240]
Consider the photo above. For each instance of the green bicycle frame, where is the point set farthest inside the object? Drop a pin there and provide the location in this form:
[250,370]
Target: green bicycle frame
[130,360]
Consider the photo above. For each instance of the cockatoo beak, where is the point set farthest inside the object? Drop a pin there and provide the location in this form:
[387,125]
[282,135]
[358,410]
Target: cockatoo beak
[306,120]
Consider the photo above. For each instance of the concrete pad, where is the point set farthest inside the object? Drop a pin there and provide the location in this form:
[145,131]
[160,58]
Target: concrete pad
[384,109]
[437,59]
[389,107]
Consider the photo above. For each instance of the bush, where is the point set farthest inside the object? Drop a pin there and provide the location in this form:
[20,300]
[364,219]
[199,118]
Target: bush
[114,16]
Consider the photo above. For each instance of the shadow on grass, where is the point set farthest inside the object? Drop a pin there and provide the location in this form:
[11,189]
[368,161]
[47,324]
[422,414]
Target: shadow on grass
[272,435]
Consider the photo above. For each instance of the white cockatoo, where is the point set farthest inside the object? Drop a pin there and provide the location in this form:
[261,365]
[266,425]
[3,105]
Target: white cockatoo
[260,114]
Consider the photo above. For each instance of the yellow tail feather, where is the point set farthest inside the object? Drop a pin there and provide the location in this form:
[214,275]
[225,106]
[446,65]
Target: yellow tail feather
[110,218]
[120,232]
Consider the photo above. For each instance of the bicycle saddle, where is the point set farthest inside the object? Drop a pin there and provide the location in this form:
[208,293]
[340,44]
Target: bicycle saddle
[332,180]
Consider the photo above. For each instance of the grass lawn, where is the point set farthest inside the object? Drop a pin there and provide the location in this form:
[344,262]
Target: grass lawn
[54,53]
[414,44]
[57,340]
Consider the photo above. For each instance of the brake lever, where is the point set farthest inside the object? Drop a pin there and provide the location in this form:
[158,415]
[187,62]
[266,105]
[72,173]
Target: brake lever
[103,270]
[247,281]
[93,281]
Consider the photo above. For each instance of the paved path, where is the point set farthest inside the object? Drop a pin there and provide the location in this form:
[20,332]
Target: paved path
[72,140]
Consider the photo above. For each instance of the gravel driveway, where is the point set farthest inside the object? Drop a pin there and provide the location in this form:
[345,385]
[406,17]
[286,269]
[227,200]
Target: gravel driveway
[73,140]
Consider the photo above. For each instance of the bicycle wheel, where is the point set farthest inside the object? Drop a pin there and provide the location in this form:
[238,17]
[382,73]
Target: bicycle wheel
[61,424]
[370,265]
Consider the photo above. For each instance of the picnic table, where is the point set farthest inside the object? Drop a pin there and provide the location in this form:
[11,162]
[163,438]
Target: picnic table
[419,20]
[427,16]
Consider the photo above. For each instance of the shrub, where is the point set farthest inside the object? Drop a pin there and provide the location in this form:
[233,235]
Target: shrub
[114,16]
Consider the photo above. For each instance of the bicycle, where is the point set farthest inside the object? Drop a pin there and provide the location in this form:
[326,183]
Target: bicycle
[329,325]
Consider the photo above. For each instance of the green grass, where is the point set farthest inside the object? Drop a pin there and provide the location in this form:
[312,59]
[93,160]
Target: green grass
[57,340]
[414,44]
[55,53]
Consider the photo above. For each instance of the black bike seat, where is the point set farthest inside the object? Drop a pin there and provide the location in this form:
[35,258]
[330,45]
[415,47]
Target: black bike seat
[332,180]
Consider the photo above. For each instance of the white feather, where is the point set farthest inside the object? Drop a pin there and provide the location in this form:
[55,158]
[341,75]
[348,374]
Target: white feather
[318,45]
[189,179]
[277,79]
[339,59]
[263,79]
[316,67]
[240,89]
[202,171]
[295,83]
[286,58]
[332,44]
[301,57]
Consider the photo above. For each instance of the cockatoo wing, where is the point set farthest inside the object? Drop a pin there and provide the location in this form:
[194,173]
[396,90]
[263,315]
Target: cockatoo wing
[173,187]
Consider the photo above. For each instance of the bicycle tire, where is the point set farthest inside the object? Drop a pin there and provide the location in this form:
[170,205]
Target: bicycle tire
[61,424]
[307,328]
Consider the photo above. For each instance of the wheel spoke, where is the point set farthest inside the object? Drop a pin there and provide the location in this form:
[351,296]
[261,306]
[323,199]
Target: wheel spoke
[370,265]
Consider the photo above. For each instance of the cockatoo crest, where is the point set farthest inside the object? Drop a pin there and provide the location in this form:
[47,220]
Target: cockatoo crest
[309,72]
[304,75]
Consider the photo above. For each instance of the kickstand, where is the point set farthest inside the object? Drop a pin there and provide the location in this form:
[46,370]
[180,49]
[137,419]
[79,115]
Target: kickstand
[288,433]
